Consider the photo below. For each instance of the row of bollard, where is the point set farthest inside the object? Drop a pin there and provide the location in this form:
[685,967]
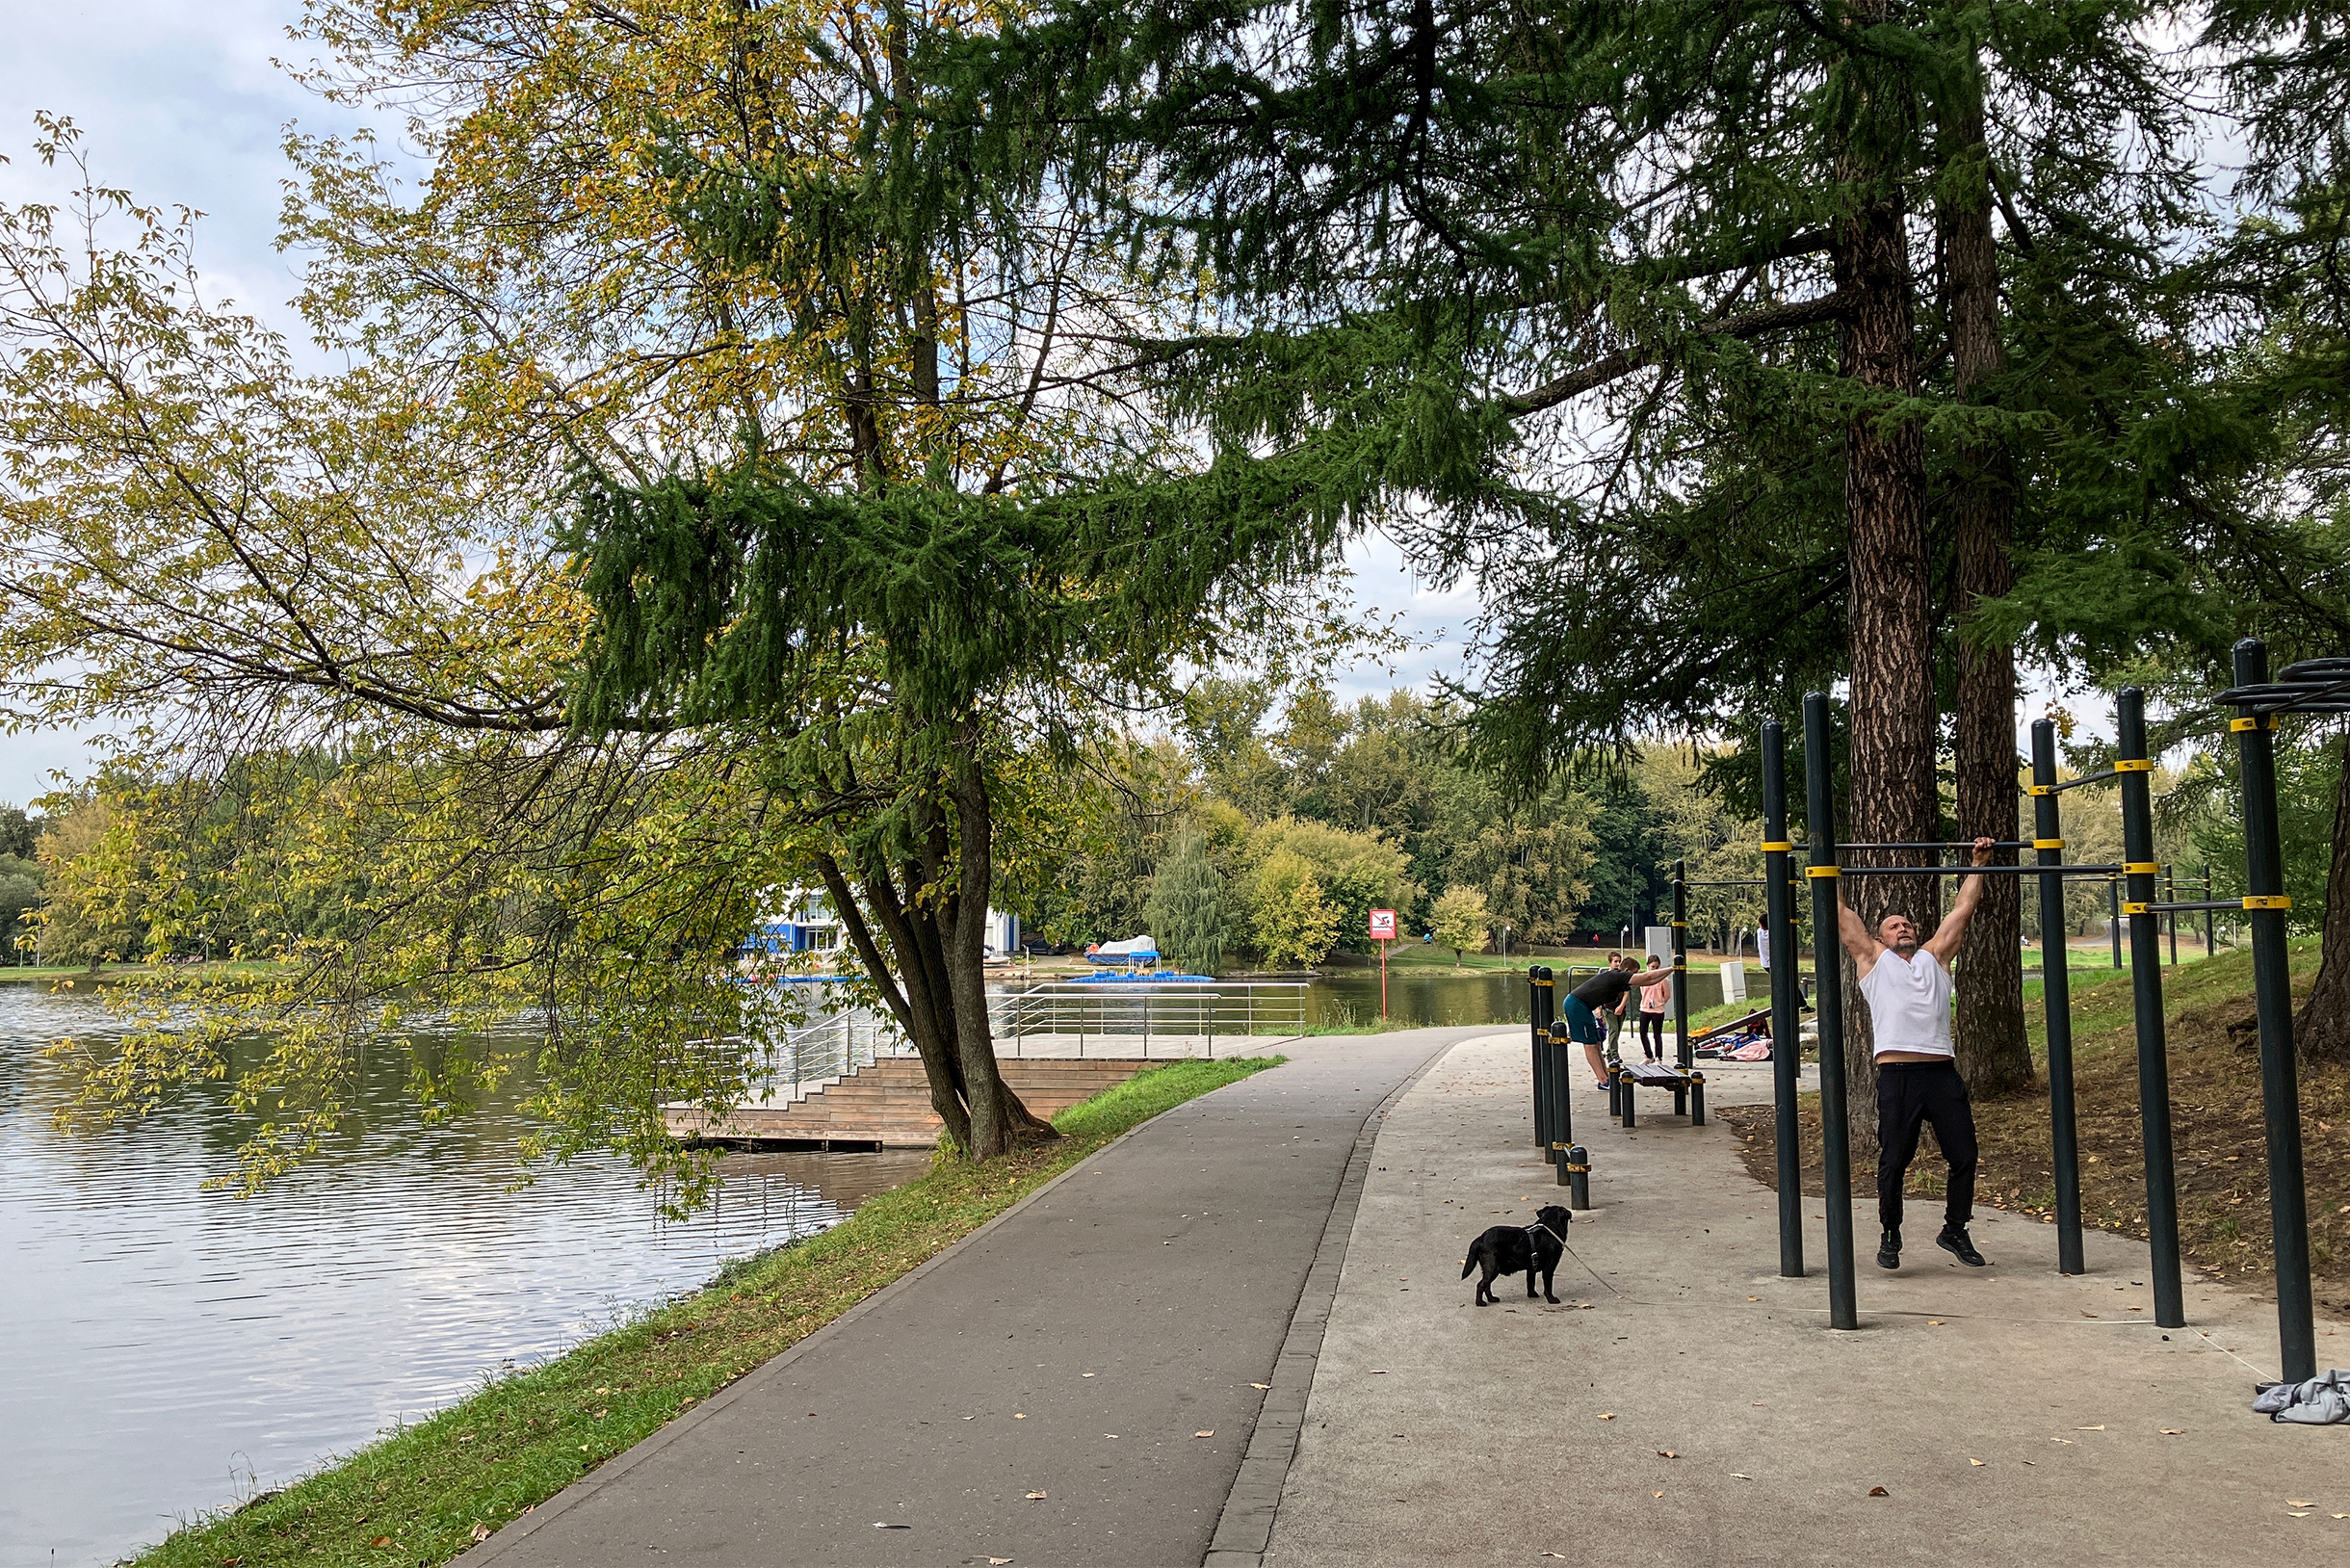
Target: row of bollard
[1554,1072]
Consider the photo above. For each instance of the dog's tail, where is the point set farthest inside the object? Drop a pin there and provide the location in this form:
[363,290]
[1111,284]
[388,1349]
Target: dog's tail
[1468,1265]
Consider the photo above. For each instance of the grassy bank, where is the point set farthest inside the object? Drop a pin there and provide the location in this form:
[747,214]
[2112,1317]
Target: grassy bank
[426,1491]
[2221,1148]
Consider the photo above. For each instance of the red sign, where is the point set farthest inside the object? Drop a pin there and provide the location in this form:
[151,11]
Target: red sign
[1382,925]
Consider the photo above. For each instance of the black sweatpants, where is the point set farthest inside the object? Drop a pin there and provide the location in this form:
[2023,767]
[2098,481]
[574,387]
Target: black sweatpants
[1651,1034]
[1909,1095]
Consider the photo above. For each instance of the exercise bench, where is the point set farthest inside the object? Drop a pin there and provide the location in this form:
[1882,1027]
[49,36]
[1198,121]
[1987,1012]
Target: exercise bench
[1689,1089]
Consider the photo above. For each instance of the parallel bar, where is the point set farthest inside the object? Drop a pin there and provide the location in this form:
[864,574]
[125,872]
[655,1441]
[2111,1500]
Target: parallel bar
[2273,998]
[2146,989]
[1785,1028]
[2190,908]
[2086,778]
[1941,843]
[1740,881]
[2057,998]
[2113,919]
[1828,969]
[1973,870]
[1680,967]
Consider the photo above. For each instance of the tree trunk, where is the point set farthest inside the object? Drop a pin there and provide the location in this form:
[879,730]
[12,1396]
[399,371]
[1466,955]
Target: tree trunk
[1993,1055]
[908,992]
[2322,1031]
[1892,710]
[999,1121]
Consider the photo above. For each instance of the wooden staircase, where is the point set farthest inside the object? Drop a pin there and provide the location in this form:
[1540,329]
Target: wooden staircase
[888,1104]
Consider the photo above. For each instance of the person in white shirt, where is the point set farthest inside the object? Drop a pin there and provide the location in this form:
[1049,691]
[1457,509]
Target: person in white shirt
[1908,988]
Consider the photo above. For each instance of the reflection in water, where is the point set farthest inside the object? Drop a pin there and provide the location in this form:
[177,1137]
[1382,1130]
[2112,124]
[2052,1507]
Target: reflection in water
[172,1350]
[1417,997]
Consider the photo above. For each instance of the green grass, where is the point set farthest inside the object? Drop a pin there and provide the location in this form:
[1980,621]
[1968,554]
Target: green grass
[422,1494]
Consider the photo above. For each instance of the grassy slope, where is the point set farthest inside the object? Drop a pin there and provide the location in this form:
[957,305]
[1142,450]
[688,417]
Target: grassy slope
[2218,1131]
[426,1492]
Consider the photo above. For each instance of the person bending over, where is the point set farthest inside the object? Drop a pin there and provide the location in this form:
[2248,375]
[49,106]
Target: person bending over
[1583,1005]
[1908,988]
[1613,1017]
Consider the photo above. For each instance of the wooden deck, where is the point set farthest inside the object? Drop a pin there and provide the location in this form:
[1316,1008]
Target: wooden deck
[888,1104]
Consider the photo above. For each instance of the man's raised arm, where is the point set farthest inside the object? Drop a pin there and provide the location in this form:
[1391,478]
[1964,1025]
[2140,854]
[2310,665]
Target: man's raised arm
[1953,927]
[1856,937]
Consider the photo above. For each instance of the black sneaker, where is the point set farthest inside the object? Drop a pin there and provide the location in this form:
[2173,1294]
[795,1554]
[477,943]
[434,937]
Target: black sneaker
[1953,1240]
[1888,1250]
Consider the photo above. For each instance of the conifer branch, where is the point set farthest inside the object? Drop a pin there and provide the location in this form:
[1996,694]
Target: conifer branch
[1748,324]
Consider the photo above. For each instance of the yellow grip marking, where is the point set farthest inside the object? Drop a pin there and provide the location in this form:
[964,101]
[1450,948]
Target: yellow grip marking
[2133,909]
[1822,871]
[2048,843]
[1778,846]
[2142,868]
[2134,764]
[2259,721]
[2268,900]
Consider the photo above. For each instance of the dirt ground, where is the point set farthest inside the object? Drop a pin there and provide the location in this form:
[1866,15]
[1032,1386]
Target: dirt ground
[2218,1131]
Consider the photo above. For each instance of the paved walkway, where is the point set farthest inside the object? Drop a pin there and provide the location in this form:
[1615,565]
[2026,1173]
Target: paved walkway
[1685,1405]
[1104,1344]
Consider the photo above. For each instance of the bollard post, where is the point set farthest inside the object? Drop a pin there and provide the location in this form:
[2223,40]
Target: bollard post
[1786,1016]
[1683,1052]
[2273,998]
[1828,971]
[1538,992]
[2146,992]
[1697,1099]
[1562,1112]
[1578,1177]
[2056,995]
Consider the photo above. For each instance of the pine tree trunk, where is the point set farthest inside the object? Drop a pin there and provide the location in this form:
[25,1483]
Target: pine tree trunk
[1993,1053]
[1892,709]
[999,1121]
[2322,1031]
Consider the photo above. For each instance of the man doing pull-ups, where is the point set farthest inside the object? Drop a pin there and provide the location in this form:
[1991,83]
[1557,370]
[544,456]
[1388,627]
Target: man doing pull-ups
[1908,988]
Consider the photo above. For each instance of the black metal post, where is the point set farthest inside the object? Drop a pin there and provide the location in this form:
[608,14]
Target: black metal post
[2170,917]
[2057,998]
[2113,918]
[1578,1177]
[1785,1020]
[1562,1082]
[2146,988]
[1680,965]
[1539,987]
[2272,990]
[2208,950]
[1828,972]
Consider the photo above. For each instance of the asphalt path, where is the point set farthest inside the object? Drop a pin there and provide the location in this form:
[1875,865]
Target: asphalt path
[1075,1383]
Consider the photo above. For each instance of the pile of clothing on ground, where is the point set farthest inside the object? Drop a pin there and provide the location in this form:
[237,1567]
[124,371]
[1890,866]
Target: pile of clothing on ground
[2323,1400]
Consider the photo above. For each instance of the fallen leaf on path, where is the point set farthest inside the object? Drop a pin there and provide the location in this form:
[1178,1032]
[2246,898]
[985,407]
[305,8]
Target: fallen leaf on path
[480,1532]
[1753,1298]
[1020,1415]
[2100,1426]
[1740,1476]
[1080,1374]
[1666,1453]
[1260,1385]
[1036,1496]
[1933,1322]
[2066,1441]
[2174,1431]
[1607,1415]
[380,1541]
[1210,1432]
[2296,1502]
[997,1562]
[1976,1463]
[2088,1314]
[1879,1492]
[2296,1516]
[1379,1372]
[1656,1494]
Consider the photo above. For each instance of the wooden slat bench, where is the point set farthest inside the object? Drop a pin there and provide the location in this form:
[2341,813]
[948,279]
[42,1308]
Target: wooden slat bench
[1689,1089]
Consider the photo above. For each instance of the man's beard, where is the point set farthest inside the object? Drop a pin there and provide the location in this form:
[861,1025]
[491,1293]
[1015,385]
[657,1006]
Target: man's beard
[1907,947]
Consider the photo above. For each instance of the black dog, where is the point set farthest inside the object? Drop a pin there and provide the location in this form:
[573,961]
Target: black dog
[1505,1249]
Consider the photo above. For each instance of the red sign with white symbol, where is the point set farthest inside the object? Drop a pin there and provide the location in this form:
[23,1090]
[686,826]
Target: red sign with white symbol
[1382,925]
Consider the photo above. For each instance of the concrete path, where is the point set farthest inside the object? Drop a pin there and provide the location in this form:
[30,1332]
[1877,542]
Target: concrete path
[1685,1405]
[1106,1344]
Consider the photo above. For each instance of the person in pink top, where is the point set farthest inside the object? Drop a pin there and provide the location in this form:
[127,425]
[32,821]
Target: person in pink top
[1656,984]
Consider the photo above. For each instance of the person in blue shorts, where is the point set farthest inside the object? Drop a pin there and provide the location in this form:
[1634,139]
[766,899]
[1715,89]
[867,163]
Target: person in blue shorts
[1582,1009]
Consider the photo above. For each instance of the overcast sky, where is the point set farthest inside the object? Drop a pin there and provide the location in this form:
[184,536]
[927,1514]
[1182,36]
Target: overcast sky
[182,103]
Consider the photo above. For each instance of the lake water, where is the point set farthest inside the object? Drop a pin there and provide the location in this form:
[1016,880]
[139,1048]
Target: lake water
[170,1349]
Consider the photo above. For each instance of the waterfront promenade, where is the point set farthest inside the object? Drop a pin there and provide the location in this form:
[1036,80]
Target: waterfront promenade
[1294,1372]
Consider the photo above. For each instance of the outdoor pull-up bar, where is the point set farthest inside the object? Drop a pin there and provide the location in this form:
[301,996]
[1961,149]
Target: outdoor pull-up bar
[1973,871]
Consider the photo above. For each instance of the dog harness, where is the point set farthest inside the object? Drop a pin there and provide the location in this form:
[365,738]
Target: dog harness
[1546,1230]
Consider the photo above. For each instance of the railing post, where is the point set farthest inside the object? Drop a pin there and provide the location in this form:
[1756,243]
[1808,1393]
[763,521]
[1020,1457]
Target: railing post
[2272,989]
[1786,1017]
[2056,999]
[1828,972]
[2146,992]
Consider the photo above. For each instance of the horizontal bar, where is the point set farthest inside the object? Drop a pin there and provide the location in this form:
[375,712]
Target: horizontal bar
[2075,783]
[1951,844]
[2183,908]
[1750,882]
[1980,870]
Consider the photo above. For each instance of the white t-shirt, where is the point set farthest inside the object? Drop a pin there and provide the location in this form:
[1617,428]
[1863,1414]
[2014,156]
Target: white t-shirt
[1909,1004]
